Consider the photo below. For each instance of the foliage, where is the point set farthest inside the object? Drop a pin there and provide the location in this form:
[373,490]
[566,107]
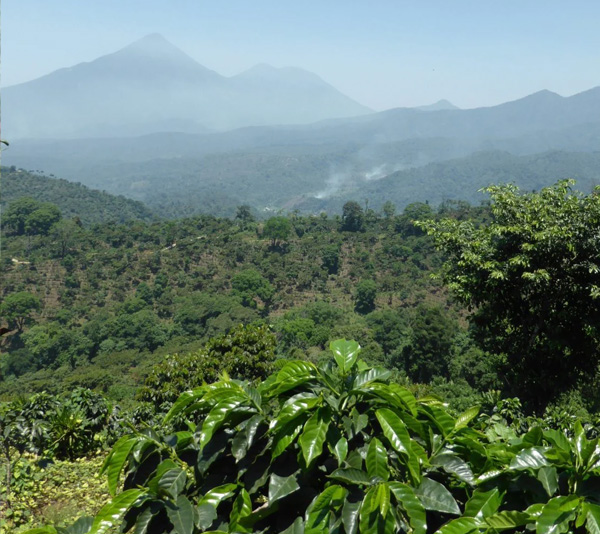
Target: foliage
[364,296]
[352,217]
[277,229]
[28,216]
[56,492]
[18,308]
[247,352]
[338,448]
[531,278]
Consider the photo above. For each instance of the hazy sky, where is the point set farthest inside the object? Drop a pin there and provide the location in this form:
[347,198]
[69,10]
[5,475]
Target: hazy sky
[383,53]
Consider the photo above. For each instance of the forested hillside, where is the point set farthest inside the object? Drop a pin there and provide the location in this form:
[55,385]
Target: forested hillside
[73,199]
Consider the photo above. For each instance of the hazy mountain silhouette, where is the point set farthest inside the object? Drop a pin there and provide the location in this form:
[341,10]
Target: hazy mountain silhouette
[438,106]
[152,86]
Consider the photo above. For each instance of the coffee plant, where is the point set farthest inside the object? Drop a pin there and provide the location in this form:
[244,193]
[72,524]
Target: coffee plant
[338,448]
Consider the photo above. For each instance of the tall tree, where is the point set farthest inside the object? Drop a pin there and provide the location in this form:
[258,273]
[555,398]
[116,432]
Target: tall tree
[531,279]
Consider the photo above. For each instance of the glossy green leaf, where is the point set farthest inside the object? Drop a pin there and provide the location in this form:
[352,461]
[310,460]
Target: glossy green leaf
[372,521]
[350,516]
[548,476]
[341,450]
[440,418]
[297,527]
[318,512]
[592,518]
[394,430]
[143,521]
[115,461]
[507,520]
[351,475]
[462,525]
[244,439]
[377,464]
[558,439]
[483,504]
[408,500]
[383,498]
[313,436]
[557,514]
[435,497]
[181,515]
[532,458]
[173,482]
[453,464]
[242,507]
[218,494]
[41,530]
[466,417]
[81,526]
[370,375]
[287,434]
[217,417]
[345,353]
[205,515]
[280,487]
[112,513]
[184,400]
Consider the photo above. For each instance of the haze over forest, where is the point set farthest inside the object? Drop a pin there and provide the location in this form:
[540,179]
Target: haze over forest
[152,124]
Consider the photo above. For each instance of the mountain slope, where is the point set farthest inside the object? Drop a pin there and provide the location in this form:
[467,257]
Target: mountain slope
[152,86]
[73,199]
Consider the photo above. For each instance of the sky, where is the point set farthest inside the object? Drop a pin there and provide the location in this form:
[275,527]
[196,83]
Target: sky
[382,53]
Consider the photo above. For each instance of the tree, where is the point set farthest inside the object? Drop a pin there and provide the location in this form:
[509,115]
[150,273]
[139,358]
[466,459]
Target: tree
[353,217]
[277,229]
[244,215]
[29,216]
[364,296]
[531,280]
[18,308]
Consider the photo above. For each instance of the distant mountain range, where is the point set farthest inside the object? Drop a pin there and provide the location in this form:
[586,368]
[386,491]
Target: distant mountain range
[304,145]
[152,86]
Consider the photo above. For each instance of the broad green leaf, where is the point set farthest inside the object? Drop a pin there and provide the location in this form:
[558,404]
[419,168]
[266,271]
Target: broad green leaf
[112,513]
[466,417]
[115,461]
[532,458]
[377,464]
[81,526]
[172,482]
[216,495]
[558,439]
[41,530]
[440,418]
[507,520]
[351,475]
[317,514]
[162,468]
[435,497]
[217,417]
[371,518]
[287,434]
[242,507]
[341,450]
[181,515]
[592,518]
[144,520]
[394,430]
[297,527]
[280,487]
[453,464]
[312,438]
[244,439]
[462,525]
[407,499]
[383,498]
[345,353]
[370,375]
[293,374]
[483,504]
[557,515]
[205,515]
[533,437]
[548,476]
[185,399]
[291,411]
[350,516]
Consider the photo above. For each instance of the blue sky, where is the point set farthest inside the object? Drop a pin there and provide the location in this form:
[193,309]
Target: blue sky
[382,53]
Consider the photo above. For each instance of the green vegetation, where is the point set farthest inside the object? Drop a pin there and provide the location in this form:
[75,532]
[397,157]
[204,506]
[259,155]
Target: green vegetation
[212,335]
